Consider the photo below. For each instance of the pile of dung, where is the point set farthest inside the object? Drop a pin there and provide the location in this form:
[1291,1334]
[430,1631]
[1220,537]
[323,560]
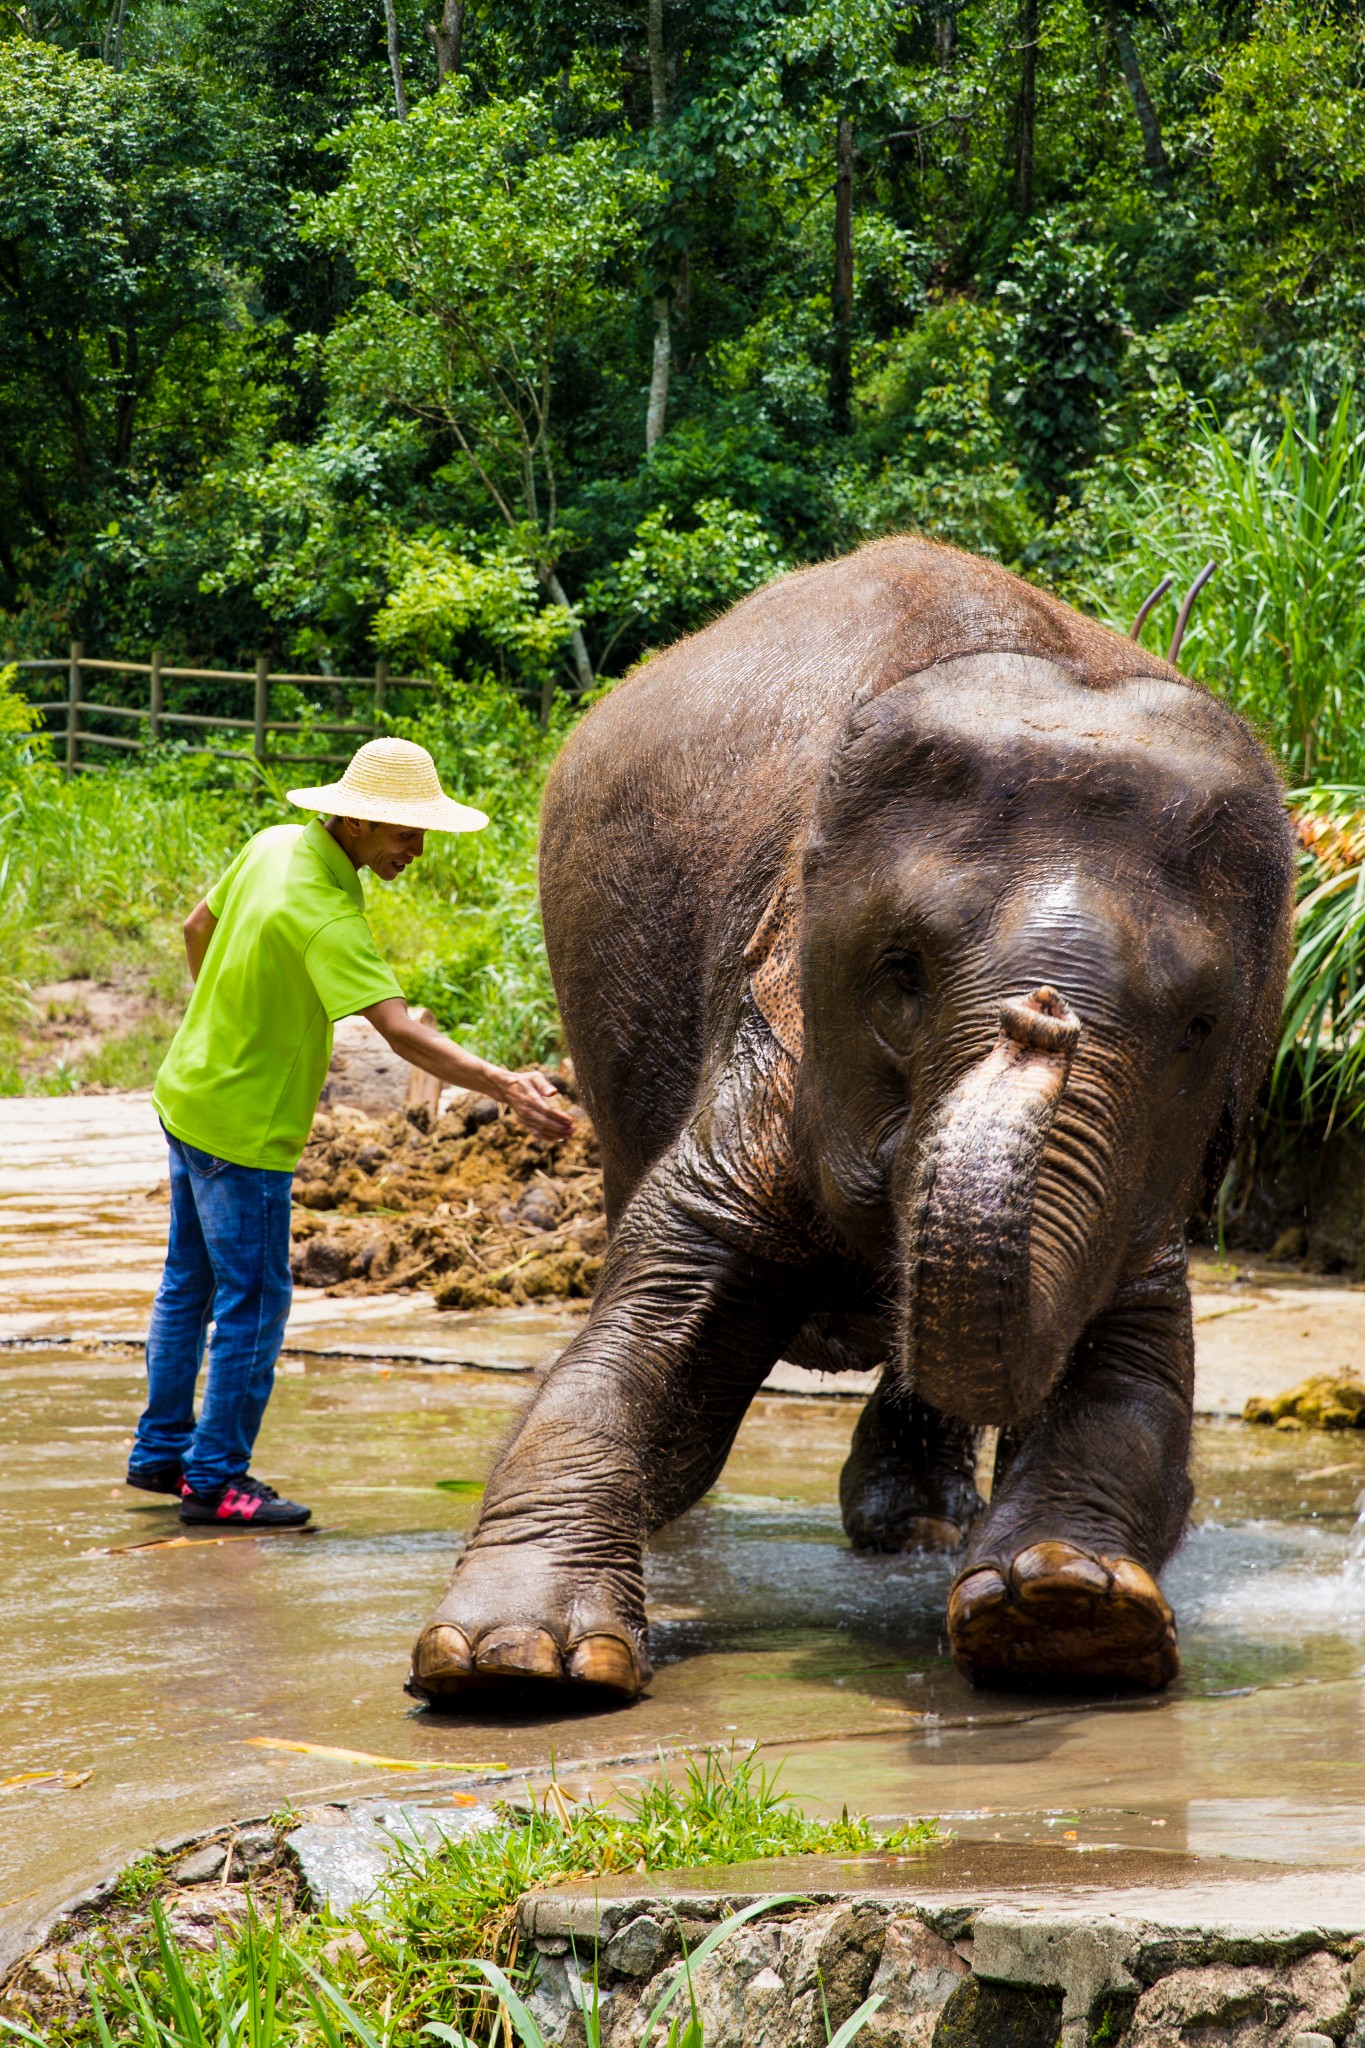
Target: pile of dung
[471,1205]
[1323,1402]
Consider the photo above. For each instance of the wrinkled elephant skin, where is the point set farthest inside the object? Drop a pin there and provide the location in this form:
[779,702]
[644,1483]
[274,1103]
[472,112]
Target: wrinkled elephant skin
[920,945]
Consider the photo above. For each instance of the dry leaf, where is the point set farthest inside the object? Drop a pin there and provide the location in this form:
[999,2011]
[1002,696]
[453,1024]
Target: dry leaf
[198,1542]
[361,1756]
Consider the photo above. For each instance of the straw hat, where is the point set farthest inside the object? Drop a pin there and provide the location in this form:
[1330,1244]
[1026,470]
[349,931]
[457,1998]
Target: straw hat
[392,782]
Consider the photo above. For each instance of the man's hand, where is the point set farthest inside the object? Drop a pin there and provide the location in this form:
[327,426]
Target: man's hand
[534,1101]
[529,1096]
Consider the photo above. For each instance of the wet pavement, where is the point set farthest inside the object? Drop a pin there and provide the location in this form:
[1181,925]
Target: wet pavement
[159,1669]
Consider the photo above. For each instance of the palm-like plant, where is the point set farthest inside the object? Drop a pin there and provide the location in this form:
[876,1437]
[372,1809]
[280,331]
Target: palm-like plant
[1280,632]
[1319,1069]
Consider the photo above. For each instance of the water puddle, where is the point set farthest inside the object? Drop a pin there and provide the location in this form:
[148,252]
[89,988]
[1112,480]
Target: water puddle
[154,1684]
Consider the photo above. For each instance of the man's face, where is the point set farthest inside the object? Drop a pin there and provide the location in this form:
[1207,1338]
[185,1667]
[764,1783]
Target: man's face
[384,849]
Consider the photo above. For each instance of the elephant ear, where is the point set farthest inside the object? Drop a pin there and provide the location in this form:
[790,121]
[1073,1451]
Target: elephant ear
[773,958]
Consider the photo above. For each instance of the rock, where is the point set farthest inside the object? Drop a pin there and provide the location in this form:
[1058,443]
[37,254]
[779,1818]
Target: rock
[202,1866]
[60,1969]
[638,1949]
[999,2016]
[195,1918]
[256,1849]
[918,1973]
[352,1943]
[366,1073]
[562,1993]
[1253,2006]
[540,1207]
[343,1866]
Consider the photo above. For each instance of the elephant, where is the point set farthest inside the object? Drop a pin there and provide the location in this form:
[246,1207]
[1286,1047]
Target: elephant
[920,945]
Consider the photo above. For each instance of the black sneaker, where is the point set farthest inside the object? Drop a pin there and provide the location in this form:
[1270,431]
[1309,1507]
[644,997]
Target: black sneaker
[169,1478]
[243,1503]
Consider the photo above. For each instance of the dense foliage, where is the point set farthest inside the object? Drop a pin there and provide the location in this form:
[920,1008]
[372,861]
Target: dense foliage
[639,303]
[506,341]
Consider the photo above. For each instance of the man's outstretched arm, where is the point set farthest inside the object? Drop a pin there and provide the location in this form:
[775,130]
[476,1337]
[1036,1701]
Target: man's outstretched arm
[528,1095]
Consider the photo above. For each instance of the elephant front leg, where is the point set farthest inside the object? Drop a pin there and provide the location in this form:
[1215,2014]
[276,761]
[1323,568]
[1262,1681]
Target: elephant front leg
[1059,1589]
[910,1479]
[632,1425]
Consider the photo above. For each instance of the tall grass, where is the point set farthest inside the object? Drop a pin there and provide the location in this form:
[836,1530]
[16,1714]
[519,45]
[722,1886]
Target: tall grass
[97,874]
[1280,631]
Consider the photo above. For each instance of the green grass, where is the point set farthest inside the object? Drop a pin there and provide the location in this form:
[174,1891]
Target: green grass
[450,1924]
[97,874]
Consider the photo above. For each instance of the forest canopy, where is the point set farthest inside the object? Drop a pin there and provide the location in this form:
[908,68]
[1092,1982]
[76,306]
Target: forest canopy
[519,338]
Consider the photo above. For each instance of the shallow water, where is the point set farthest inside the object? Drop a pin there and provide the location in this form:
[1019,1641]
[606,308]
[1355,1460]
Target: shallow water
[156,1669]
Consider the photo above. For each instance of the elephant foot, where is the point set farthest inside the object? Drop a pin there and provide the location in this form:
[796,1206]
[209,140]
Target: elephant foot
[1057,1618]
[908,1483]
[505,1626]
[906,1532]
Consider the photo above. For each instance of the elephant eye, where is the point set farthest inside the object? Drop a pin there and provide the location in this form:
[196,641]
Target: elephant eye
[895,999]
[1196,1031]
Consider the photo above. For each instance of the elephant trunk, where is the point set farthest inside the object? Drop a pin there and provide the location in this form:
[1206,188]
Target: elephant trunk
[978,1342]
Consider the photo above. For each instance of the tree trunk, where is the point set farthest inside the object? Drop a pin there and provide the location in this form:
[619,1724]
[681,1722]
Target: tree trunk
[400,97]
[656,412]
[841,359]
[113,35]
[447,37]
[945,39]
[1153,149]
[658,64]
[1028,107]
[578,646]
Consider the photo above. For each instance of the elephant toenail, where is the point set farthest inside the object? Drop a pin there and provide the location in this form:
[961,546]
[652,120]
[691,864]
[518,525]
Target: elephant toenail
[978,1588]
[519,1653]
[442,1652]
[1038,1570]
[1131,1582]
[933,1533]
[607,1661]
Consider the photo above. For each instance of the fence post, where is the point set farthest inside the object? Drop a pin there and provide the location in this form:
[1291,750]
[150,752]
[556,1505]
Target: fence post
[381,677]
[158,701]
[262,708]
[73,708]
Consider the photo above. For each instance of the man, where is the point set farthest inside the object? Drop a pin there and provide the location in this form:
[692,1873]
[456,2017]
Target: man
[279,950]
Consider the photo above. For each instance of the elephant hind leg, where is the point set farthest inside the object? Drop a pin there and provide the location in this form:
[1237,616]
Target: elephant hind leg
[909,1481]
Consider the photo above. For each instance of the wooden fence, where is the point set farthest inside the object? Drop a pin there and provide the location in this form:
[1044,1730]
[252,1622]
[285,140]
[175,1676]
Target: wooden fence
[154,722]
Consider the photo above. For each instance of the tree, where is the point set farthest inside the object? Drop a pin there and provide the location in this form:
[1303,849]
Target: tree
[485,247]
[130,214]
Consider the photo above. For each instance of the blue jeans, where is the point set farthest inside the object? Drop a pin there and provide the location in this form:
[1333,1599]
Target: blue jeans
[227,1261]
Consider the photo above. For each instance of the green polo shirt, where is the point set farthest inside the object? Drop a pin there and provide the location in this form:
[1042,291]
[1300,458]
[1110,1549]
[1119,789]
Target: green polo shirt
[291,953]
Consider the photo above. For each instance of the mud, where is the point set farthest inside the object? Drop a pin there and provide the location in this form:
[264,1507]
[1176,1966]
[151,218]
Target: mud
[467,1204]
[1327,1401]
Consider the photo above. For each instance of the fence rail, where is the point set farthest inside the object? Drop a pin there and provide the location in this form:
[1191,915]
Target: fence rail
[75,705]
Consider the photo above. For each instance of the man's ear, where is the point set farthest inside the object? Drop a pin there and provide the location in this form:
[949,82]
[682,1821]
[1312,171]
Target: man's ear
[773,958]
